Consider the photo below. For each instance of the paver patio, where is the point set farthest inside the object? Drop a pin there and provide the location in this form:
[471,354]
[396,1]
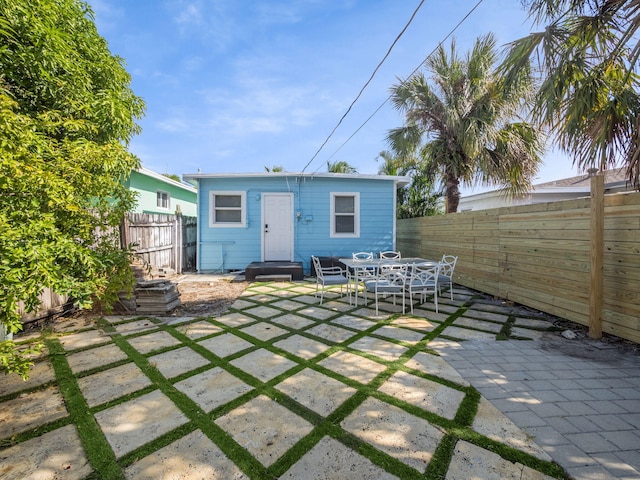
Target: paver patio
[281,387]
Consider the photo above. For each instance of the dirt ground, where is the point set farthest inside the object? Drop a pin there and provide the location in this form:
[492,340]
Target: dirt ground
[210,298]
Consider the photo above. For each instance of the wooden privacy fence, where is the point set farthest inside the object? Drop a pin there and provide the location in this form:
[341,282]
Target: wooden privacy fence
[163,241]
[543,256]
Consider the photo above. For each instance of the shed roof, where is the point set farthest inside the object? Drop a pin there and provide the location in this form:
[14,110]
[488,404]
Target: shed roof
[399,180]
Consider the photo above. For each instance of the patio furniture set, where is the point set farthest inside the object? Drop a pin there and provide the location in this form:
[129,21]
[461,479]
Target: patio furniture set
[386,275]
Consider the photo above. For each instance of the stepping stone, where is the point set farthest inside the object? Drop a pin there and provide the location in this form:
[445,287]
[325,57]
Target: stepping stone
[302,347]
[40,373]
[264,331]
[330,333]
[294,322]
[84,339]
[225,345]
[153,341]
[426,394]
[316,391]
[331,459]
[132,424]
[390,429]
[199,329]
[31,410]
[263,364]
[436,366]
[401,334]
[353,322]
[54,455]
[212,388]
[266,429]
[380,348]
[471,461]
[94,358]
[192,457]
[176,362]
[114,383]
[353,366]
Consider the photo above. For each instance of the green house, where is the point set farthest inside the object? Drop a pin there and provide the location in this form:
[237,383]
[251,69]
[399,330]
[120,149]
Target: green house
[160,194]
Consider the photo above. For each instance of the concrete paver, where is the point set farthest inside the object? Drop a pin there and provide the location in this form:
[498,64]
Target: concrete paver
[543,397]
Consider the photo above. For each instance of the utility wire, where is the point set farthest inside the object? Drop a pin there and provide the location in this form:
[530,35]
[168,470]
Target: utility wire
[365,85]
[451,32]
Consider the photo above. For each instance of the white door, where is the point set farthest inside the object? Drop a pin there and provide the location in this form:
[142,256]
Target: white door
[277,227]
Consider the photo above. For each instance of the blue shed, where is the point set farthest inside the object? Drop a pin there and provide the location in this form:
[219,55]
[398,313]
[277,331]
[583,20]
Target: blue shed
[283,216]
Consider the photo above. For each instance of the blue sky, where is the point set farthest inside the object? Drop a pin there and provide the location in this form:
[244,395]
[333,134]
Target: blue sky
[232,86]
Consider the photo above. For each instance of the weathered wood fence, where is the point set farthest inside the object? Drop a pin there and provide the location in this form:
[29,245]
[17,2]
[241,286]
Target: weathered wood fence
[162,241]
[542,256]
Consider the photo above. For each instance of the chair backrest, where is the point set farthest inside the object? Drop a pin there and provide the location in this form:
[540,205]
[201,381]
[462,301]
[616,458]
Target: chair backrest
[394,274]
[363,256]
[317,266]
[390,254]
[424,277]
[448,265]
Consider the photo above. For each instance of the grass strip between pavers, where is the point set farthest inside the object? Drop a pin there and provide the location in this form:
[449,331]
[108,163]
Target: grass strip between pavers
[106,466]
[97,449]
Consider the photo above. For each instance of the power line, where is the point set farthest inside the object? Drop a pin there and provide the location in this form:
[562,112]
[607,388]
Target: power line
[365,85]
[451,32]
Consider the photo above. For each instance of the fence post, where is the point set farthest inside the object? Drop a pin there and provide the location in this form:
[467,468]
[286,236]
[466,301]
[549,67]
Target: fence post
[596,294]
[178,242]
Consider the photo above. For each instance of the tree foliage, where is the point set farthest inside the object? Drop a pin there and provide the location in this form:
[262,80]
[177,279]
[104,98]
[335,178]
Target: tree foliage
[423,196]
[464,123]
[587,59]
[67,114]
[340,166]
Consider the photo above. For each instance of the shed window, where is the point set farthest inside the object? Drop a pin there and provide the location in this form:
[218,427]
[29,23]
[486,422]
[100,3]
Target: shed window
[345,214]
[163,200]
[228,209]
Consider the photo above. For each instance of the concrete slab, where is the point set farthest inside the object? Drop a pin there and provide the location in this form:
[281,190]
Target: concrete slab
[199,329]
[262,312]
[94,358]
[176,362]
[89,338]
[130,425]
[264,331]
[466,334]
[331,459]
[390,429]
[402,334]
[226,344]
[56,455]
[416,323]
[137,326]
[353,322]
[426,394]
[353,366]
[294,322]
[113,383]
[289,305]
[40,373]
[264,428]
[192,457]
[153,341]
[331,333]
[436,366]
[316,391]
[471,461]
[213,388]
[479,324]
[380,348]
[31,410]
[263,364]
[235,320]
[317,312]
[302,347]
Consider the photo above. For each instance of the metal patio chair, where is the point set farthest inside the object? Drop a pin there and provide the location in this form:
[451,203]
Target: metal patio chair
[445,277]
[328,277]
[423,281]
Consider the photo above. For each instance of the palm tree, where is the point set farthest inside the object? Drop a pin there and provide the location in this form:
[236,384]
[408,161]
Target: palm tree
[465,126]
[422,197]
[587,57]
[340,167]
[275,168]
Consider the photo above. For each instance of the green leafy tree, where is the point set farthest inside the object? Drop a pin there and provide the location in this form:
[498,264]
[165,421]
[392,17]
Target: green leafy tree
[340,166]
[67,114]
[173,176]
[465,124]
[422,197]
[587,59]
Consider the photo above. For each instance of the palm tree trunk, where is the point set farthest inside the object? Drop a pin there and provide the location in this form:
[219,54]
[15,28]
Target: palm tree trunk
[453,193]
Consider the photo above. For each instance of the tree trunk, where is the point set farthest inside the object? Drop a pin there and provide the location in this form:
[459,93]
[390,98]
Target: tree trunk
[453,193]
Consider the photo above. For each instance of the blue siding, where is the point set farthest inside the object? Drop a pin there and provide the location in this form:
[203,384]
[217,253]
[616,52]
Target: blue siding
[234,248]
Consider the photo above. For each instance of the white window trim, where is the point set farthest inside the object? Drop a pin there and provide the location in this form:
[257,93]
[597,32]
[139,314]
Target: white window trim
[356,221]
[168,207]
[243,209]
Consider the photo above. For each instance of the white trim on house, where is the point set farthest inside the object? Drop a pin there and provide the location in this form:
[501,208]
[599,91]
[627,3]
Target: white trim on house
[401,181]
[243,209]
[162,178]
[355,215]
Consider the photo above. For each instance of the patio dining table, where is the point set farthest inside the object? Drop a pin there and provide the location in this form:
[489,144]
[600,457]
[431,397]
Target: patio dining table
[360,265]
